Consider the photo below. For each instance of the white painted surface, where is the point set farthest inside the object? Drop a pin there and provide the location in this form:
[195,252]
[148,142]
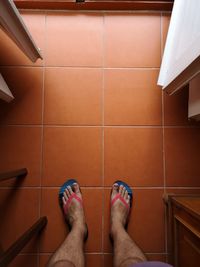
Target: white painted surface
[13,25]
[194,98]
[183,40]
[5,92]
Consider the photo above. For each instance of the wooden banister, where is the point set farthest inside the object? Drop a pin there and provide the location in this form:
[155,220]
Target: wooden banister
[7,256]
[13,174]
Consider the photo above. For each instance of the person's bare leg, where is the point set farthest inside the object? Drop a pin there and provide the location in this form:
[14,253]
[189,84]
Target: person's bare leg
[126,252]
[70,253]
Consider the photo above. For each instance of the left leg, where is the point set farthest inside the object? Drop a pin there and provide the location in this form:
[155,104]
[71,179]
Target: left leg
[70,253]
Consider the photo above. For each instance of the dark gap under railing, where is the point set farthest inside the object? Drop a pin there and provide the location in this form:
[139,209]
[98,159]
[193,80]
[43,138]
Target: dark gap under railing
[20,173]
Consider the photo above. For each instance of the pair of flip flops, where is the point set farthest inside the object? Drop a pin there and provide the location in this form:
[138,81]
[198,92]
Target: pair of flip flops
[72,182]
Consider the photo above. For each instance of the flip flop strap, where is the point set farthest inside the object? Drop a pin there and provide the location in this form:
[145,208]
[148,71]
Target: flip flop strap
[118,196]
[66,206]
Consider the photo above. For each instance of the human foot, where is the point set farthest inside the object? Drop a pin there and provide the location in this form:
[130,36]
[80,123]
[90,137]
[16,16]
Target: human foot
[120,207]
[73,208]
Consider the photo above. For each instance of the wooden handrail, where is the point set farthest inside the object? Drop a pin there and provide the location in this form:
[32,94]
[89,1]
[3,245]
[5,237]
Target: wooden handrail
[13,174]
[159,5]
[7,256]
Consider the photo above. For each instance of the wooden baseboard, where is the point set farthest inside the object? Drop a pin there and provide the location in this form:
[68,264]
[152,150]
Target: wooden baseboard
[96,5]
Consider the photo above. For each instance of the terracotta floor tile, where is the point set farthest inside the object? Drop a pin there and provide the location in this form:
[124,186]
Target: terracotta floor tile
[35,22]
[129,42]
[19,210]
[93,210]
[77,98]
[108,260]
[165,20]
[132,97]
[21,148]
[176,108]
[94,260]
[72,152]
[43,259]
[147,220]
[26,108]
[81,46]
[134,155]
[182,149]
[24,260]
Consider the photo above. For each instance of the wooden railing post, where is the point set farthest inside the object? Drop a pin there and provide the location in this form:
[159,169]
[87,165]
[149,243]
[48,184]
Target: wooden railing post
[7,256]
[13,174]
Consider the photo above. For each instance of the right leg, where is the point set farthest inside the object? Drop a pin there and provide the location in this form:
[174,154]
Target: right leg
[126,252]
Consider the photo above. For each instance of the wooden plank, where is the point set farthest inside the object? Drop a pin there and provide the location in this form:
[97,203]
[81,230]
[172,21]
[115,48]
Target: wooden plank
[13,25]
[184,77]
[18,245]
[165,5]
[13,174]
[194,99]
[5,92]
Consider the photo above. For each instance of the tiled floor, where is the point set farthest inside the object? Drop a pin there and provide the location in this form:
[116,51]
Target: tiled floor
[92,110]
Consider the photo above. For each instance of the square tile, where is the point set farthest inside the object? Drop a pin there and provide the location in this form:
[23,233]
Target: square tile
[19,211]
[176,108]
[43,259]
[129,42]
[21,148]
[92,199]
[132,97]
[11,54]
[78,42]
[73,96]
[182,154]
[146,219]
[94,260]
[23,260]
[134,155]
[26,108]
[72,153]
[108,260]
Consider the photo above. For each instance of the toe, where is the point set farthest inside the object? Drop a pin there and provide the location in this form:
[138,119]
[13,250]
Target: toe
[76,188]
[120,189]
[126,195]
[70,190]
[65,196]
[123,191]
[115,189]
[64,200]
[67,192]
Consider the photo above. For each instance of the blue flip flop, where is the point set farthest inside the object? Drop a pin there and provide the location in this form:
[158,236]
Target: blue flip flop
[129,190]
[70,183]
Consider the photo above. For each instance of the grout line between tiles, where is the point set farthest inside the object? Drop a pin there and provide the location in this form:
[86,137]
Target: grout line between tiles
[81,67]
[93,11]
[103,122]
[109,187]
[161,33]
[163,138]
[42,138]
[102,126]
